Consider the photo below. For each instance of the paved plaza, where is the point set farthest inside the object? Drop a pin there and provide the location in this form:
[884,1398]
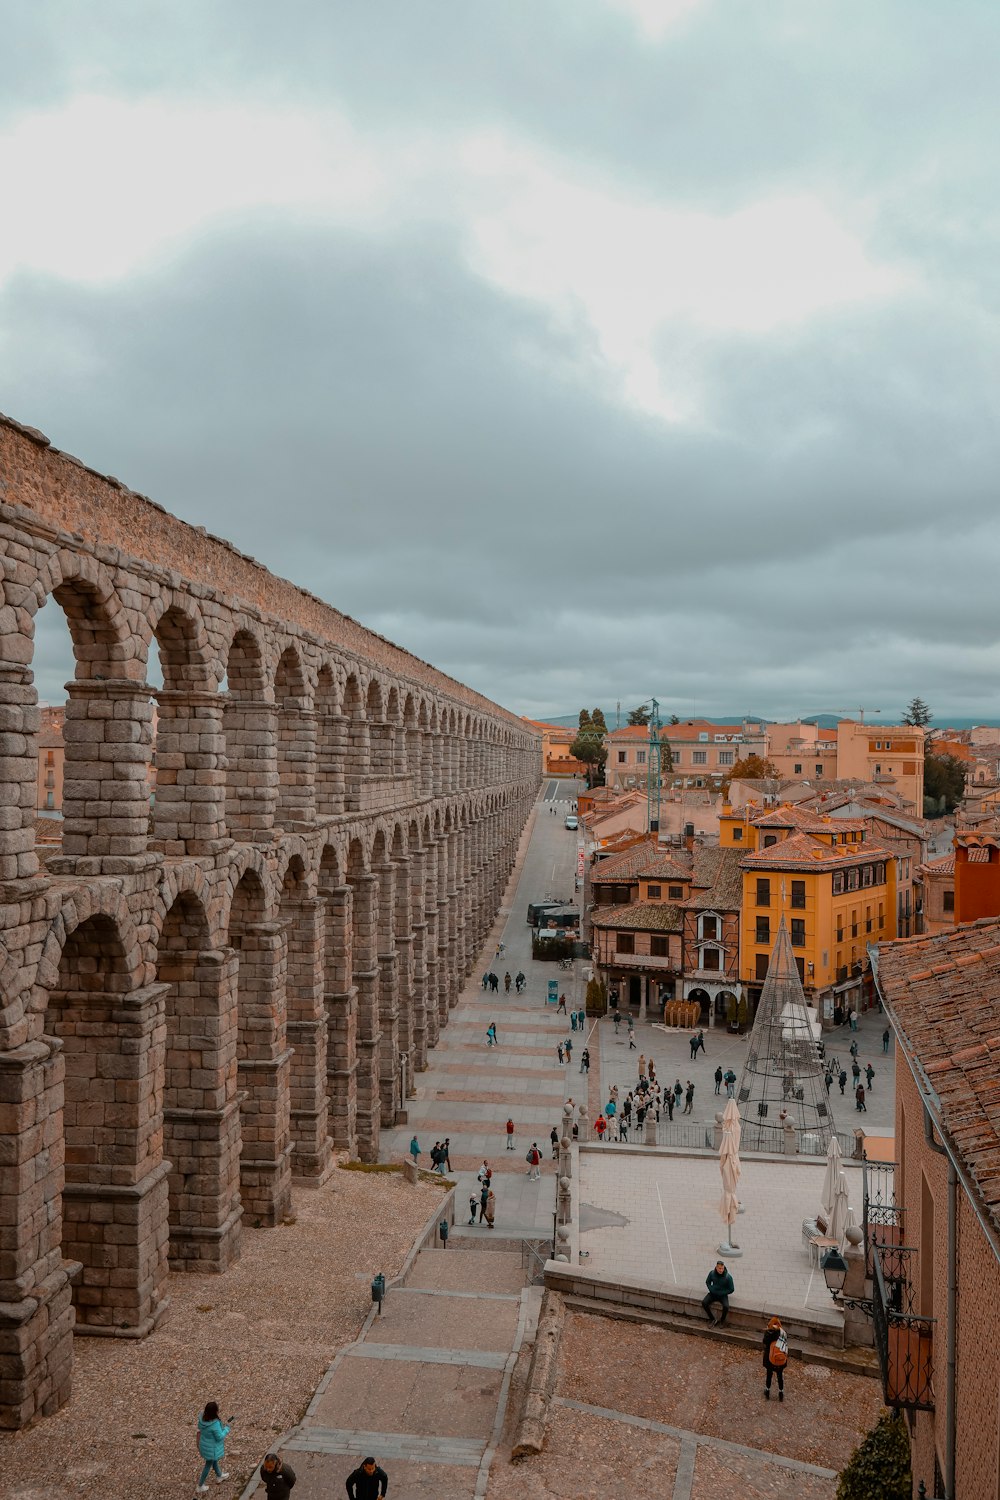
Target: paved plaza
[469,1089]
[655,1215]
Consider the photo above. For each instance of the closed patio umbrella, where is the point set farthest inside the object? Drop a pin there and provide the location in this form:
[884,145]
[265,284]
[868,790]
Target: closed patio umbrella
[834,1157]
[838,1218]
[729,1166]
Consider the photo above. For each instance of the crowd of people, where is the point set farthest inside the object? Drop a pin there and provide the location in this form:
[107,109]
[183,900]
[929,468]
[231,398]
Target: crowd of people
[368,1481]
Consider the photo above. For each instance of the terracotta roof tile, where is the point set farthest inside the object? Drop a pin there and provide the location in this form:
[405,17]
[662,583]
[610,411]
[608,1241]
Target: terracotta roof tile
[619,868]
[718,879]
[944,996]
[802,849]
[640,916]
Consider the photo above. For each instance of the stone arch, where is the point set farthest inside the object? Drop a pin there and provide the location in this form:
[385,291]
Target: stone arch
[380,734]
[189,742]
[331,739]
[200,1124]
[249,728]
[339,996]
[262,1055]
[112,1040]
[356,748]
[296,742]
[300,918]
[83,903]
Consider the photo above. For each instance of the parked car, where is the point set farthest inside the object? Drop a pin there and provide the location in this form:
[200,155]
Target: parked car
[572,821]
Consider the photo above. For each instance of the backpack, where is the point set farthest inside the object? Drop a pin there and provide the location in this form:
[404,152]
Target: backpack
[778,1356]
[530,1155]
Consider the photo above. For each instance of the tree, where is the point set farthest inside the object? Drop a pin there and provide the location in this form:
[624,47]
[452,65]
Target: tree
[880,1465]
[584,722]
[589,746]
[918,713]
[640,715]
[750,768]
[673,719]
[666,756]
[597,719]
[944,784]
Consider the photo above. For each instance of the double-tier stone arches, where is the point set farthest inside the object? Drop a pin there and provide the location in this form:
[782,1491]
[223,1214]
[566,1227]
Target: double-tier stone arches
[203,994]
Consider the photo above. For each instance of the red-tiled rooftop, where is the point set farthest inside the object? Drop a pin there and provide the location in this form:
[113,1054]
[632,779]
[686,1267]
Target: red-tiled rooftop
[803,849]
[943,993]
[639,916]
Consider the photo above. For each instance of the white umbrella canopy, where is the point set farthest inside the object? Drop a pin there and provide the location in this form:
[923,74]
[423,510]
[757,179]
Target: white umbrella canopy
[841,1208]
[834,1157]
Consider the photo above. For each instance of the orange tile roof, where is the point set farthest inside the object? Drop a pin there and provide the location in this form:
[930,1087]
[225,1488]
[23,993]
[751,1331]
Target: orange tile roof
[790,815]
[941,994]
[619,868]
[639,916]
[801,849]
[718,880]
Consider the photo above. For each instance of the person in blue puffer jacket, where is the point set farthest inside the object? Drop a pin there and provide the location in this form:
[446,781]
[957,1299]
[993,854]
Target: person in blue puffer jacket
[211,1445]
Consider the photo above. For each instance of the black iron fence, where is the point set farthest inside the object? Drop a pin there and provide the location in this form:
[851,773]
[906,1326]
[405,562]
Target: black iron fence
[904,1340]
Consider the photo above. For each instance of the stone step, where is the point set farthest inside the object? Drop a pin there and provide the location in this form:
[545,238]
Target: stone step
[470,1271]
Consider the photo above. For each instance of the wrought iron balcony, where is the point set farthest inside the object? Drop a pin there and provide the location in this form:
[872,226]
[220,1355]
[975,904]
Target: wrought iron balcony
[904,1339]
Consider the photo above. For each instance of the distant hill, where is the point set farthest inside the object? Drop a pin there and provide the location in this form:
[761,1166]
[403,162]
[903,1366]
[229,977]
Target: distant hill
[823,720]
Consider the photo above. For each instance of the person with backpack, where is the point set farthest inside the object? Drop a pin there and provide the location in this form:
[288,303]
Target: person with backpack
[842,1080]
[600,1125]
[534,1160]
[585,1060]
[869,1074]
[775,1357]
[473,1205]
[510,1135]
[211,1445]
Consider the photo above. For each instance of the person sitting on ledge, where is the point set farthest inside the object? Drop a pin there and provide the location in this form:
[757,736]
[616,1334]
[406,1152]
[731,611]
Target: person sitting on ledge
[720,1289]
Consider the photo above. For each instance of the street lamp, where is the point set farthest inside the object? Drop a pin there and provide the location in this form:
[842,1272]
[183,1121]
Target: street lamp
[835,1269]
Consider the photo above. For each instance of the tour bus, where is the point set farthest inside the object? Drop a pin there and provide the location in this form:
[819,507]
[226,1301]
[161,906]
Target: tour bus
[535,909]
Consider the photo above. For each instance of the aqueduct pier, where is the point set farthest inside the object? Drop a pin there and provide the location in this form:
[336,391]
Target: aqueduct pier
[199,1004]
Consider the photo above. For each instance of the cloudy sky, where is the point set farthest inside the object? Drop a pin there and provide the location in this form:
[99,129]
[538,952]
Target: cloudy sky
[588,348]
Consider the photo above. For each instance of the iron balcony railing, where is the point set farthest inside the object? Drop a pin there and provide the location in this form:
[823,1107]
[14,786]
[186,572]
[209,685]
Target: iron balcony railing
[904,1339]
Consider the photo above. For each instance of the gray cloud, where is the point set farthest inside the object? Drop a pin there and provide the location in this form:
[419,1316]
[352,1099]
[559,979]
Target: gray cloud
[448,462]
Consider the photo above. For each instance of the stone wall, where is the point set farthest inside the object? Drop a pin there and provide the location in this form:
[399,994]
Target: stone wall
[199,1003]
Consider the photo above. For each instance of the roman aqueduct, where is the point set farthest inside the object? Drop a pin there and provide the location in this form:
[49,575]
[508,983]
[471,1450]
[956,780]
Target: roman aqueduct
[200,1004]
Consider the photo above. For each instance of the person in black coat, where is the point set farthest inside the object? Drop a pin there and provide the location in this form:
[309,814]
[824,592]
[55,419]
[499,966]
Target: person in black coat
[278,1478]
[771,1333]
[367,1482]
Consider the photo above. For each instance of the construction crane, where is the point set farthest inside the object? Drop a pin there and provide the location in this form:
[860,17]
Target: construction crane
[862,711]
[653,766]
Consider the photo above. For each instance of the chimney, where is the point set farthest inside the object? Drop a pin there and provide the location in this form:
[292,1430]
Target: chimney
[689,835]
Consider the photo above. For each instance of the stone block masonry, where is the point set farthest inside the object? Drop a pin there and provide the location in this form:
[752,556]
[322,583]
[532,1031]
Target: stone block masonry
[200,999]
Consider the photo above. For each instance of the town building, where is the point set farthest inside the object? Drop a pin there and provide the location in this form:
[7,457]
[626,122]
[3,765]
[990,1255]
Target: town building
[888,754]
[933,1219]
[701,753]
[834,886]
[936,878]
[557,759]
[802,750]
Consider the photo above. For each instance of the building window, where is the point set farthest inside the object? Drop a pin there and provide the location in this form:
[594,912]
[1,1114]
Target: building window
[699,757]
[625,942]
[659,947]
[878,770]
[710,927]
[621,757]
[819,770]
[737,835]
[949,900]
[852,880]
[867,875]
[763,893]
[770,839]
[710,958]
[840,931]
[50,801]
[798,768]
[761,970]
[800,964]
[675,892]
[726,757]
[798,895]
[653,892]
[880,874]
[640,757]
[763,930]
[50,778]
[798,932]
[50,757]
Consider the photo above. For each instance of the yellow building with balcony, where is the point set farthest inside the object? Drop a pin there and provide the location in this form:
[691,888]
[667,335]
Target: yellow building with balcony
[836,890]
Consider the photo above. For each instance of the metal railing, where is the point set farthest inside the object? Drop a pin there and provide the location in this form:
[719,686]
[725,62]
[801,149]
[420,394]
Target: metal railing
[904,1340]
[882,1214]
[533,1261]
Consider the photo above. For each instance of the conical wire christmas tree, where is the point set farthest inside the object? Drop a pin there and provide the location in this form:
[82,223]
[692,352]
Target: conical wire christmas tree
[783,1070]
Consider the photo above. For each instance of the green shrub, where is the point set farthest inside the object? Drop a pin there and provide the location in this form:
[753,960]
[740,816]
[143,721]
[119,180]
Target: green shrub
[596,1000]
[880,1465]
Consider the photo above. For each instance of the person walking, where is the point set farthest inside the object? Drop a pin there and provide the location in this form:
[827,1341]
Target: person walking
[568,1048]
[718,1078]
[701,1040]
[491,1035]
[693,1044]
[473,1205]
[842,1080]
[415,1150]
[554,1142]
[720,1289]
[211,1446]
[852,1019]
[618,1021]
[534,1160]
[642,1063]
[519,982]
[559,1052]
[859,1099]
[486,980]
[446,1153]
[572,1020]
[279,1479]
[855,1070]
[730,1083]
[869,1074]
[854,1049]
[368,1482]
[775,1343]
[885,1040]
[623,1128]
[484,1198]
[600,1125]
[491,1208]
[689,1097]
[507,982]
[562,1005]
[585,1060]
[631,1035]
[510,1135]
[828,1080]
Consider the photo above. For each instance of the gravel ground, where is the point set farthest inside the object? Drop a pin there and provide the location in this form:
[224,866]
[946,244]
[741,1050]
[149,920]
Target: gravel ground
[257,1340]
[700,1386]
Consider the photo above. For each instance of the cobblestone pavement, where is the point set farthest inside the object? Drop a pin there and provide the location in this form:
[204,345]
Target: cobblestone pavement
[642,1408]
